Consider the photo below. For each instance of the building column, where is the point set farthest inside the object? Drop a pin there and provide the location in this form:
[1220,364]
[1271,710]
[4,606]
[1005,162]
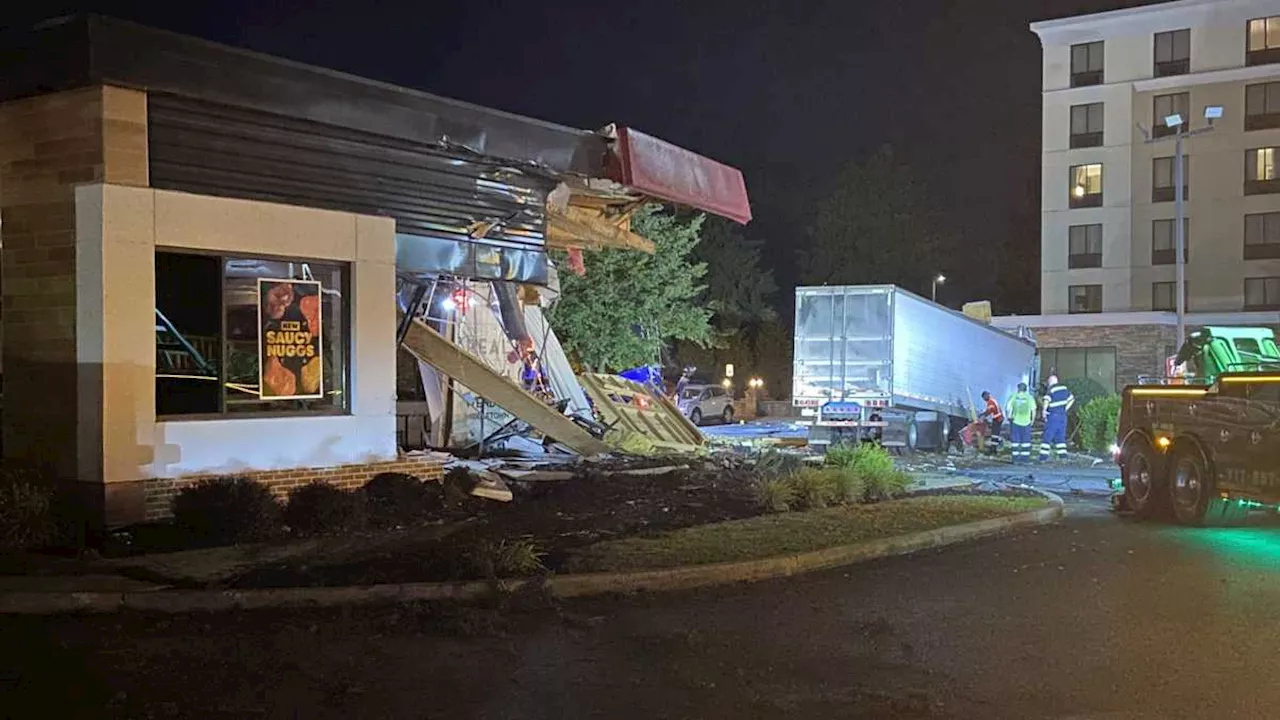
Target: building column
[49,145]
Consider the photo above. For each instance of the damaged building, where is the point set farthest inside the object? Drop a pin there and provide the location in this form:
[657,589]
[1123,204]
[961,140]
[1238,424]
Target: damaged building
[216,262]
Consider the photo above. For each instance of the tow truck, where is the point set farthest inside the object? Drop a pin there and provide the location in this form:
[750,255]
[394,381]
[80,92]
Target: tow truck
[1204,447]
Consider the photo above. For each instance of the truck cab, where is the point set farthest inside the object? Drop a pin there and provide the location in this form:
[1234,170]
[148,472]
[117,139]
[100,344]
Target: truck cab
[1206,450]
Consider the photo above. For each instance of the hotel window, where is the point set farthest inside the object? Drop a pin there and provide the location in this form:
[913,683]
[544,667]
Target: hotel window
[1162,106]
[1163,170]
[1085,186]
[1164,294]
[1260,171]
[1095,363]
[1262,236]
[1086,125]
[1262,293]
[1086,64]
[241,335]
[1084,299]
[1263,41]
[1084,246]
[1262,106]
[1172,53]
[1164,243]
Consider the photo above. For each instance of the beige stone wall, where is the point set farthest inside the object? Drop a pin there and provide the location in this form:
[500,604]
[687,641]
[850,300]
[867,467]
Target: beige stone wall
[48,145]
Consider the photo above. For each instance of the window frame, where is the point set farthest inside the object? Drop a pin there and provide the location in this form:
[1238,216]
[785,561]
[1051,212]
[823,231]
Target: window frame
[1172,287]
[1253,185]
[1266,280]
[1169,256]
[1262,249]
[1088,199]
[1158,128]
[1168,193]
[1089,137]
[1101,350]
[1174,65]
[346,267]
[1090,289]
[1269,117]
[1089,75]
[1268,53]
[1085,259]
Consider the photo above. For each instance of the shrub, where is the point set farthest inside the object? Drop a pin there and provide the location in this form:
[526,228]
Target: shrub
[227,510]
[319,508]
[1099,421]
[1085,389]
[814,488]
[775,494]
[518,557]
[26,510]
[884,484]
[842,454]
[398,499]
[849,486]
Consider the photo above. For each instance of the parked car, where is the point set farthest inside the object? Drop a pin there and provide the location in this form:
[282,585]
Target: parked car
[702,402]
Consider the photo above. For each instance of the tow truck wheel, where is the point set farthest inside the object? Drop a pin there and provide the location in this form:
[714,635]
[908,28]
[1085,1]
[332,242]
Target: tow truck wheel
[1192,493]
[1144,484]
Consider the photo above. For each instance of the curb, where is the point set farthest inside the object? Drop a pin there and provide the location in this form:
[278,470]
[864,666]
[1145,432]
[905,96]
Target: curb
[575,585]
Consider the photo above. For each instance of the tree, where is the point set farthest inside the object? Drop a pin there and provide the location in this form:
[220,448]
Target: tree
[629,304]
[739,289]
[875,227]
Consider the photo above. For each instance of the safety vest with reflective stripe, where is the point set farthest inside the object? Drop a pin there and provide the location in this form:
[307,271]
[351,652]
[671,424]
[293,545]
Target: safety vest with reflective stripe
[1022,409]
[1059,399]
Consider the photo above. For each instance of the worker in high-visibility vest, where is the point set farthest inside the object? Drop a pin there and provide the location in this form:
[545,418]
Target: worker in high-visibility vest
[1057,402]
[1021,413]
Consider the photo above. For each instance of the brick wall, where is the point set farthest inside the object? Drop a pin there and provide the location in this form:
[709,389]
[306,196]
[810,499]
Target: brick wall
[160,492]
[1140,349]
[48,145]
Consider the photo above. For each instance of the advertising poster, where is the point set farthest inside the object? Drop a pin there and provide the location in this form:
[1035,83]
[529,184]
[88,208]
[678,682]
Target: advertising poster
[290,365]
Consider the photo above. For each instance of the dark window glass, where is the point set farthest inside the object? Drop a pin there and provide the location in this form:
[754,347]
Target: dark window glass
[1086,125]
[1163,175]
[1084,298]
[1164,242]
[210,344]
[1262,236]
[1162,106]
[1262,293]
[1095,363]
[1084,246]
[1086,64]
[1172,53]
[1164,294]
[1262,106]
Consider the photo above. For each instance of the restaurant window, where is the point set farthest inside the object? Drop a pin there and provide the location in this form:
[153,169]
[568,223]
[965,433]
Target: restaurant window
[1086,125]
[1163,177]
[1262,236]
[1164,294]
[1084,246]
[1260,172]
[1164,243]
[1262,293]
[1172,53]
[1085,186]
[245,335]
[1084,299]
[1263,41]
[1262,106]
[1095,363]
[1162,106]
[1086,64]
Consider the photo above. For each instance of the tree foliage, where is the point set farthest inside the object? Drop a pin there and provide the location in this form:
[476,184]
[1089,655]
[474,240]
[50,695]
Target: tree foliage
[739,289]
[629,304]
[875,227]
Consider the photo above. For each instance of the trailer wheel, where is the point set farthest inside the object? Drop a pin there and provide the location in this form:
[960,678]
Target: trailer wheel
[913,436]
[944,429]
[1144,485]
[1193,494]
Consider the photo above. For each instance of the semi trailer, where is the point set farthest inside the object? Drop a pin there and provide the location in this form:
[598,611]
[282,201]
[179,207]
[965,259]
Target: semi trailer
[879,363]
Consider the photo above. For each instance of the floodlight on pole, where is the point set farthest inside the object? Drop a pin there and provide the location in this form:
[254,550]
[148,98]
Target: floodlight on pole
[937,280]
[1173,121]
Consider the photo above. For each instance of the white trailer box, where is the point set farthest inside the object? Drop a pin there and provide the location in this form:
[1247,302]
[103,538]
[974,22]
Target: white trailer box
[878,361]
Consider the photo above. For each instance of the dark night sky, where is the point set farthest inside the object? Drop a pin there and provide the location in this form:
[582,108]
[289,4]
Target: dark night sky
[787,91]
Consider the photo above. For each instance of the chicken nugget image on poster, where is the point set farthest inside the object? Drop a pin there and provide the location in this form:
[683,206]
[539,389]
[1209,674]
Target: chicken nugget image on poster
[290,362]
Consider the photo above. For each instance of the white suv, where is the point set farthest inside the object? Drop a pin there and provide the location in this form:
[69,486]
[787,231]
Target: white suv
[702,402]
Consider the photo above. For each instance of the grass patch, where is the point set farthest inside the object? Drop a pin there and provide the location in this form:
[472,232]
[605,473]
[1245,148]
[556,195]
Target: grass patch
[785,533]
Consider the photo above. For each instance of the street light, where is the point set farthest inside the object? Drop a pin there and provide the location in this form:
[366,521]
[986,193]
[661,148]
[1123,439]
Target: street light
[1176,123]
[938,280]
